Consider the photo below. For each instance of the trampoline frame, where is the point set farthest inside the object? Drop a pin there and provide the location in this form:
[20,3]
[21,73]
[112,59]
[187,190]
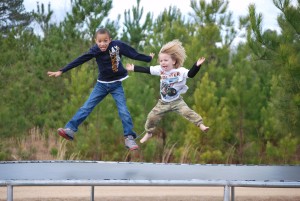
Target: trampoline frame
[9,178]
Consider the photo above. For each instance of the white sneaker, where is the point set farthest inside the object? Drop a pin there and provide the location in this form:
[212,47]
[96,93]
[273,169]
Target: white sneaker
[130,143]
[66,133]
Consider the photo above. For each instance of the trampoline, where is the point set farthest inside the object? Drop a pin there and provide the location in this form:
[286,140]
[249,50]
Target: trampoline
[101,173]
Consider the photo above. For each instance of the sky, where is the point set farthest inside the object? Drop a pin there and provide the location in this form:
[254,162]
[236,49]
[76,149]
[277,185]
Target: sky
[237,7]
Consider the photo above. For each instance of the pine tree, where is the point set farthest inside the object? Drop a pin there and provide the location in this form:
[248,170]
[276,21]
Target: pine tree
[209,147]
[13,15]
[43,18]
[89,15]
[280,51]
[245,109]
[211,40]
[135,31]
[209,91]
[169,25]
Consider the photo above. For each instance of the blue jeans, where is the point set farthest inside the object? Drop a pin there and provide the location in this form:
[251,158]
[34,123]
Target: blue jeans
[100,91]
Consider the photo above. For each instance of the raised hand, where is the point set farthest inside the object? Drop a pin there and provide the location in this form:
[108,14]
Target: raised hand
[152,55]
[200,61]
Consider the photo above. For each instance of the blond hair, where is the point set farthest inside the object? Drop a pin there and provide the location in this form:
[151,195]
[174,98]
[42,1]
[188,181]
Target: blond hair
[175,49]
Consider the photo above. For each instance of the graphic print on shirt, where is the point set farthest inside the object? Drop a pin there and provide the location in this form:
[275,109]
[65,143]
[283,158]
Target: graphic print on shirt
[167,82]
[115,58]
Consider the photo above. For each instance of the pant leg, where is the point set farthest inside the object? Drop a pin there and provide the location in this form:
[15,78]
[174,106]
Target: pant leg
[99,92]
[117,92]
[155,115]
[183,109]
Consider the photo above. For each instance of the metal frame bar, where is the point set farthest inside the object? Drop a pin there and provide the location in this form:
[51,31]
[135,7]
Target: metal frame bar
[92,193]
[232,193]
[228,185]
[10,193]
[268,184]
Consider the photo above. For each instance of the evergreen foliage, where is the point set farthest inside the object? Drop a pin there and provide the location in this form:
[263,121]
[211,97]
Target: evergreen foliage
[12,15]
[248,95]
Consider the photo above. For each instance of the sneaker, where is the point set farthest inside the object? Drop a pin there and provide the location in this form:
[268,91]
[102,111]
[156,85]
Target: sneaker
[130,143]
[146,137]
[66,133]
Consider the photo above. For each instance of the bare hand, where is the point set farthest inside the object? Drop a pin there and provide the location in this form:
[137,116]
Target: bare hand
[54,74]
[200,61]
[152,55]
[130,67]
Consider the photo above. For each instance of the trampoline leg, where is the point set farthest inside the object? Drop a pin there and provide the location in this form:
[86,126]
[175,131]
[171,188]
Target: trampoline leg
[92,193]
[226,193]
[10,193]
[232,193]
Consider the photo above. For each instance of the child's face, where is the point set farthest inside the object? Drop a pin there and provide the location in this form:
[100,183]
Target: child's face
[102,40]
[166,61]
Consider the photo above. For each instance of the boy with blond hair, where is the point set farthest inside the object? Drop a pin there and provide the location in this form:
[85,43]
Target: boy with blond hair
[172,84]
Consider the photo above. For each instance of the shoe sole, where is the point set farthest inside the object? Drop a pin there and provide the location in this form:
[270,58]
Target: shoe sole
[133,148]
[62,133]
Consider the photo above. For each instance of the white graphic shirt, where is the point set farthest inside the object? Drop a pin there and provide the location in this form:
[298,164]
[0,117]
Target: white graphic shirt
[172,83]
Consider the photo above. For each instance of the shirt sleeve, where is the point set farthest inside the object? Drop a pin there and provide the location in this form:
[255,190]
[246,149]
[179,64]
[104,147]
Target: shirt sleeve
[155,70]
[142,69]
[193,71]
[131,53]
[80,60]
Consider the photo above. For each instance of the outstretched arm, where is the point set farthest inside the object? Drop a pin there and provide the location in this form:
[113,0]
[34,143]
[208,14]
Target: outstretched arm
[196,67]
[131,53]
[80,60]
[140,69]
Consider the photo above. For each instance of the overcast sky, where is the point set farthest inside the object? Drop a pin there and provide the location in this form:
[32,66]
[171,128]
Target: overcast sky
[238,8]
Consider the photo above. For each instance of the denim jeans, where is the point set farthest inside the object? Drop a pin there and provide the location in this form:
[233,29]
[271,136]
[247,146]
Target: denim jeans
[100,91]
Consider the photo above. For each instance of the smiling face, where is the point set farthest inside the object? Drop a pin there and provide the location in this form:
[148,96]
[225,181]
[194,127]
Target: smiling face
[102,40]
[166,61]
